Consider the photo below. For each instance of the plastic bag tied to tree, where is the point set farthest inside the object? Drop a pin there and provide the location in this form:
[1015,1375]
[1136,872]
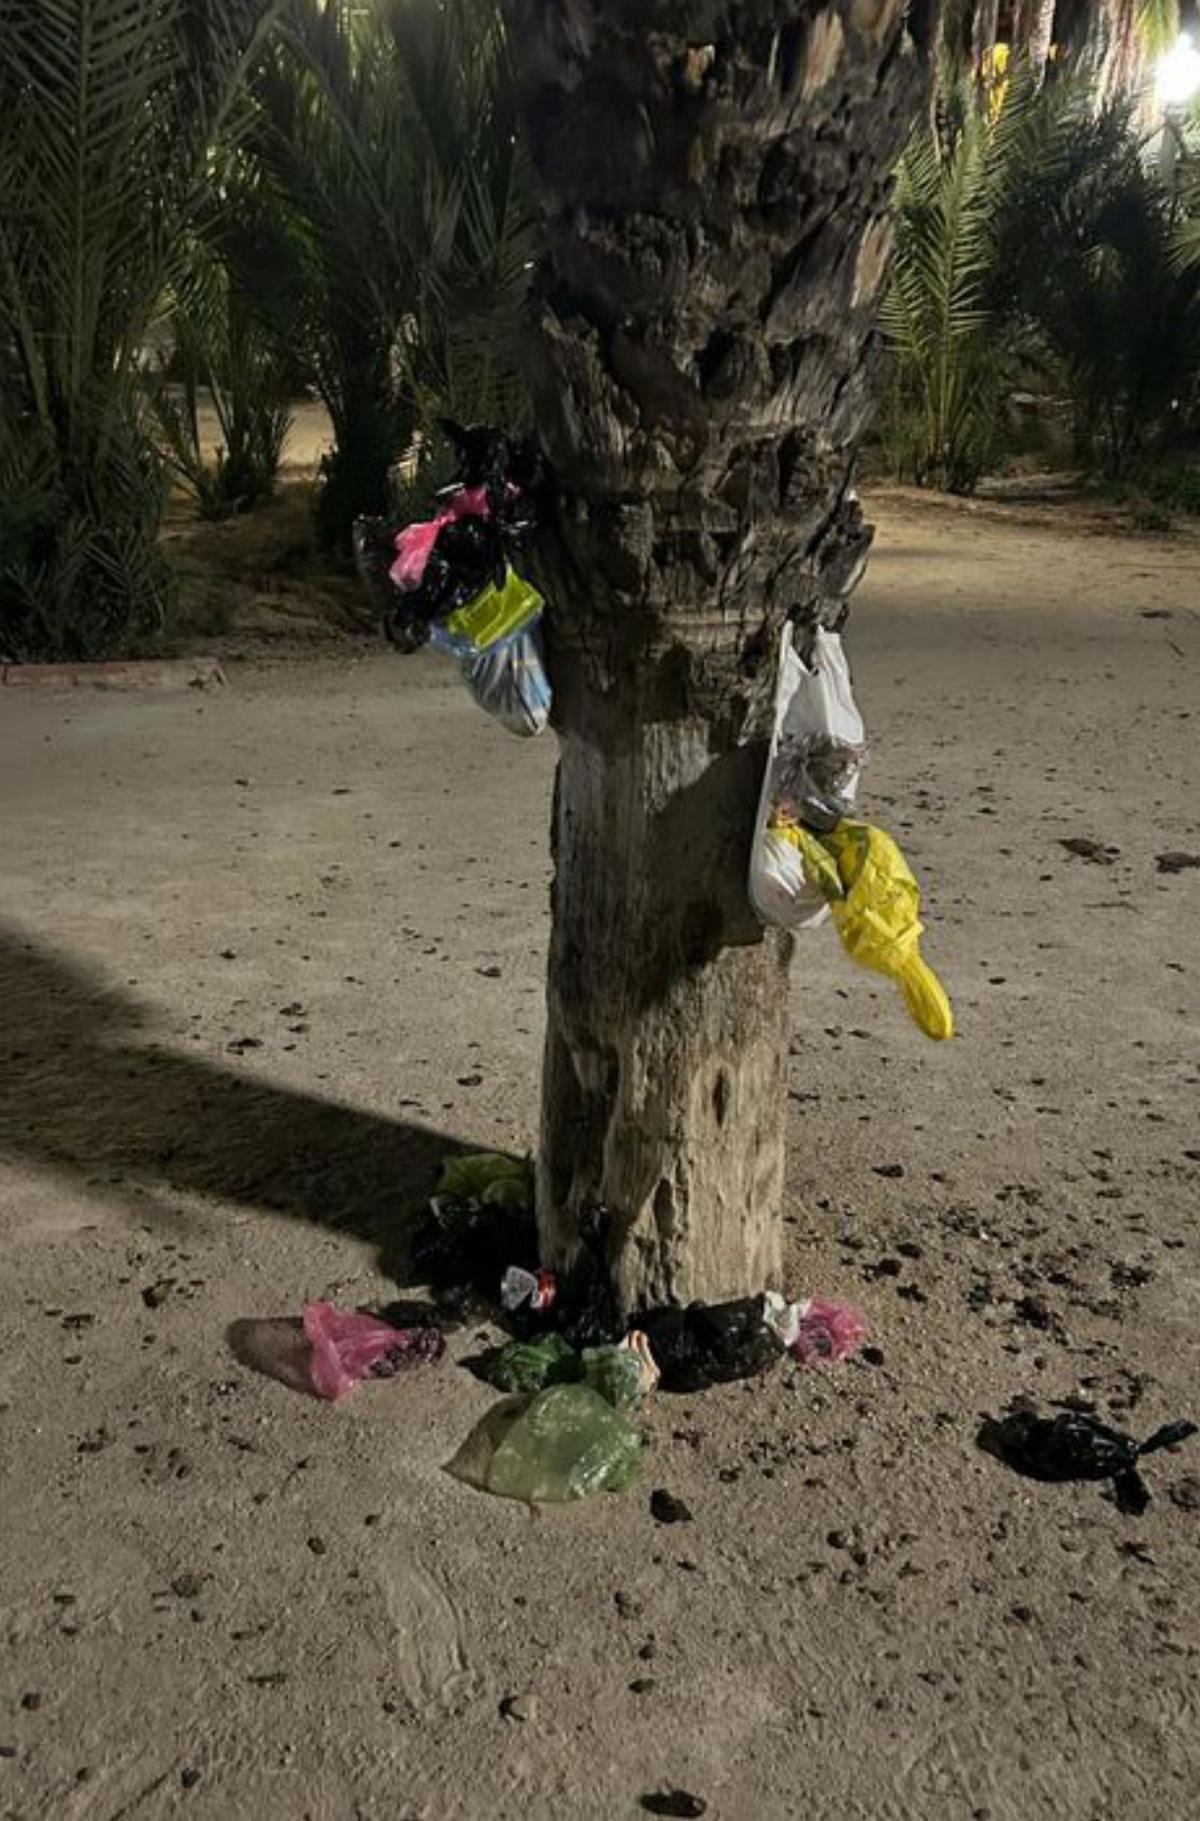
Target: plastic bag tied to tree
[450,578]
[818,749]
[497,640]
[875,903]
[414,544]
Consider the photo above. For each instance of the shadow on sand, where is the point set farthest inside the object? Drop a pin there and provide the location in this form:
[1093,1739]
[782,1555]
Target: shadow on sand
[85,1092]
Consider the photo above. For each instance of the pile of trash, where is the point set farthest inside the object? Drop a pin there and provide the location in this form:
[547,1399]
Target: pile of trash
[573,1377]
[449,580]
[812,856]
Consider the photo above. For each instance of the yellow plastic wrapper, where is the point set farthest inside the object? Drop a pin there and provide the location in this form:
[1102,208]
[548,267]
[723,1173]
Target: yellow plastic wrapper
[819,866]
[879,923]
[875,903]
[496,612]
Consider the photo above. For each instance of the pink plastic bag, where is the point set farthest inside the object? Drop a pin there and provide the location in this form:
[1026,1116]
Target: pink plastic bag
[348,1347]
[828,1331]
[414,543]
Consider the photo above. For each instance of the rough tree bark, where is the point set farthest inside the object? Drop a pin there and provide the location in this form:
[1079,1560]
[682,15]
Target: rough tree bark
[716,179]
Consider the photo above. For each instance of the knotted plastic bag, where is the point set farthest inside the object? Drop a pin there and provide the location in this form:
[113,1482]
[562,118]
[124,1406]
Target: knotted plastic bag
[489,1177]
[567,1442]
[532,1365]
[827,1331]
[818,746]
[615,1372]
[348,1347]
[879,923]
[875,902]
[414,544]
[497,640]
[817,1330]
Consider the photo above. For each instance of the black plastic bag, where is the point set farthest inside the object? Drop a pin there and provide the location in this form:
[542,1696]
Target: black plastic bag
[508,481]
[711,1343]
[1074,1446]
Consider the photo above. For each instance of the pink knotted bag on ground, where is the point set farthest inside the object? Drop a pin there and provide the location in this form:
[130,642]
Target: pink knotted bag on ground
[828,1331]
[348,1347]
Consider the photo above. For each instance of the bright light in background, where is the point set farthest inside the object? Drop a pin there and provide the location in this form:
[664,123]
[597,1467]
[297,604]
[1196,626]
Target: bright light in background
[1177,77]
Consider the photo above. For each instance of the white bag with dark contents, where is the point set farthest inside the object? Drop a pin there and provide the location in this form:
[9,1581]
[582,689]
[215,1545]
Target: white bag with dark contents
[818,749]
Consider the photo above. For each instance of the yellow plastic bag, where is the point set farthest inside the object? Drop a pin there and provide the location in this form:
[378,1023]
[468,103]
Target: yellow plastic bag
[819,866]
[495,613]
[878,920]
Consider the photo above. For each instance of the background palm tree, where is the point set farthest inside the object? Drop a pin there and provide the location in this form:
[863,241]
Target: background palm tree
[230,348]
[951,353]
[110,110]
[387,137]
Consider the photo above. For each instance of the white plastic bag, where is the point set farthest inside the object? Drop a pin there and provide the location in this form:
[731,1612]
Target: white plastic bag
[816,701]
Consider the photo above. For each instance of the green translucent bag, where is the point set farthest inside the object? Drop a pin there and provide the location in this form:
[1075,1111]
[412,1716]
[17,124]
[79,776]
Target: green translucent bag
[489,1177]
[532,1365]
[566,1443]
[615,1372]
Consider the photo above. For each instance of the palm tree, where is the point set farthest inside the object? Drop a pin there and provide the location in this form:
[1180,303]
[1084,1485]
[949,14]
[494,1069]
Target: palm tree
[226,344]
[1087,260]
[388,137]
[108,113]
[701,353]
[949,346]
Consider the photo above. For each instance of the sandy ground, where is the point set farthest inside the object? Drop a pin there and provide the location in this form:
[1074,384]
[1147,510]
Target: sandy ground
[267,953]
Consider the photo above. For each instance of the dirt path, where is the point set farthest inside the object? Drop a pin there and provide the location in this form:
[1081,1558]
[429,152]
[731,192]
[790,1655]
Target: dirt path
[265,952]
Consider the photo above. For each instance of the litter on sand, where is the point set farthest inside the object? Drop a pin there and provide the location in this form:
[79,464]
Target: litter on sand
[564,1443]
[489,1177]
[520,1288]
[620,1374]
[565,1430]
[348,1347]
[531,1365]
[711,1343]
[1075,1446]
[819,1331]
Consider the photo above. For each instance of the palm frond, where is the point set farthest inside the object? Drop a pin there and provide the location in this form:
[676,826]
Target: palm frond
[111,109]
[388,138]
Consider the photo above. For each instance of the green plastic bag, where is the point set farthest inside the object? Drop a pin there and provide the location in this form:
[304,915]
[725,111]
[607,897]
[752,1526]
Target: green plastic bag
[489,1177]
[566,1443]
[532,1365]
[615,1372]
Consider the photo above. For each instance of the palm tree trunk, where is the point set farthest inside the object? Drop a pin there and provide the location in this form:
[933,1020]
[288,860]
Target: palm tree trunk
[1040,35]
[984,28]
[716,183]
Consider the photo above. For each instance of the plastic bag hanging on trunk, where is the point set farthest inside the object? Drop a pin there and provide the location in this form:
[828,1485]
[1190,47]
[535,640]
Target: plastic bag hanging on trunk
[818,748]
[498,642]
[875,902]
